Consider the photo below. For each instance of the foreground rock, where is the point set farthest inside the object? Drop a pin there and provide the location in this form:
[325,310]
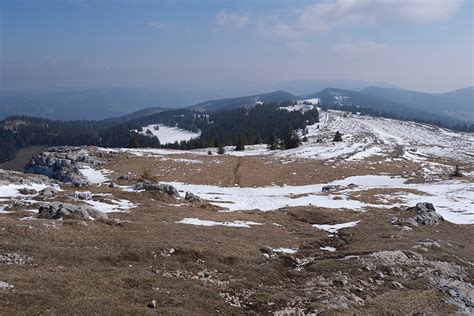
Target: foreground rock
[63,164]
[59,210]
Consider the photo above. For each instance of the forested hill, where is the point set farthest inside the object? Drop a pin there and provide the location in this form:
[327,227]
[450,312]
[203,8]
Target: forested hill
[224,127]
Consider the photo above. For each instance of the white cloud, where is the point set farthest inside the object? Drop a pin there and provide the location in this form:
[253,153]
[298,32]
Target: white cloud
[231,20]
[329,14]
[350,47]
[155,24]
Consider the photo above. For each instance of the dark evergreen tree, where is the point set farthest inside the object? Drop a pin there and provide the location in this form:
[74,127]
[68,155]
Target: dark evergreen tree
[337,137]
[133,142]
[291,140]
[241,141]
[221,150]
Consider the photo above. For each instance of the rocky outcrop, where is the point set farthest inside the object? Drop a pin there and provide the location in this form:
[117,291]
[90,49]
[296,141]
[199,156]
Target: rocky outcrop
[425,214]
[447,277]
[63,164]
[160,187]
[59,210]
[14,177]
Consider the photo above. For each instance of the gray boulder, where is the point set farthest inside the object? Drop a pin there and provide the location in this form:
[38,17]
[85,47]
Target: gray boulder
[48,192]
[193,198]
[426,214]
[160,187]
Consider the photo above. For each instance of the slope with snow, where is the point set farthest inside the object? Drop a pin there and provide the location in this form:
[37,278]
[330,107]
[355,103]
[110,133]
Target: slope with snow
[167,134]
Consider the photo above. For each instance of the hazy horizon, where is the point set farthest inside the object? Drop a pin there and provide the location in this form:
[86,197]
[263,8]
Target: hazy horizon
[235,46]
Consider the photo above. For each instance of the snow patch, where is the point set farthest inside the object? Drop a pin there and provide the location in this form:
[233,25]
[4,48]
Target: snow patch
[333,229]
[94,176]
[167,134]
[201,222]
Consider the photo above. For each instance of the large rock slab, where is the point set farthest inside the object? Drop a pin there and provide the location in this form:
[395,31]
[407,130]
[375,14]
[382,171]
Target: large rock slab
[59,210]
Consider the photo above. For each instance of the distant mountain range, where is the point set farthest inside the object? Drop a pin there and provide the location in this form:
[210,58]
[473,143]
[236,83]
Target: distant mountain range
[104,103]
[308,86]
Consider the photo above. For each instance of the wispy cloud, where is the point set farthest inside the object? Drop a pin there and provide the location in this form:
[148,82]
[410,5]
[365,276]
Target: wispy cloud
[350,47]
[226,20]
[156,24]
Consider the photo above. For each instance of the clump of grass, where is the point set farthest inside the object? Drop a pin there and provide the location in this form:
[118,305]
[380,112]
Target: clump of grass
[147,176]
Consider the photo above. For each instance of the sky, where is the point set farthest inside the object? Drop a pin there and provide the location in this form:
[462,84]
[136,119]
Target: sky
[424,45]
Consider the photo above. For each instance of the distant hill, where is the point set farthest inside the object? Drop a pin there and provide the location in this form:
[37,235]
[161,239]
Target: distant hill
[247,101]
[457,104]
[303,87]
[333,96]
[135,115]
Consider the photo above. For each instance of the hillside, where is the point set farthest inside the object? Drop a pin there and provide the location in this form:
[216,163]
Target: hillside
[243,102]
[382,104]
[355,226]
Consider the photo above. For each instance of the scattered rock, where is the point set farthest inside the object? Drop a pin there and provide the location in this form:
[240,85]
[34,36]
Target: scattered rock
[84,196]
[14,258]
[26,191]
[397,285]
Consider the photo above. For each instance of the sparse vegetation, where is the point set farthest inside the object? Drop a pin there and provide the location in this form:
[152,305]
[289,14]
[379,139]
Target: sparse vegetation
[147,176]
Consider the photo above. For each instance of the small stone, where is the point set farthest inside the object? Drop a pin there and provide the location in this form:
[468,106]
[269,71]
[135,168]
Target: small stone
[397,285]
[172,250]
[152,304]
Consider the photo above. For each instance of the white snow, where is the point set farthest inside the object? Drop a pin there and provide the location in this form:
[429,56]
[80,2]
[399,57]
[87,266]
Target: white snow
[94,176]
[11,190]
[285,250]
[114,205]
[201,222]
[302,105]
[328,248]
[167,134]
[266,198]
[453,199]
[333,229]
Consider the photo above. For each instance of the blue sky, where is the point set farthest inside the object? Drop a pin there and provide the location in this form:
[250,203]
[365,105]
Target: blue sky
[417,44]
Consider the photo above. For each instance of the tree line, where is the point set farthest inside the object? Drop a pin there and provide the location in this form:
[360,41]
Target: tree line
[262,123]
